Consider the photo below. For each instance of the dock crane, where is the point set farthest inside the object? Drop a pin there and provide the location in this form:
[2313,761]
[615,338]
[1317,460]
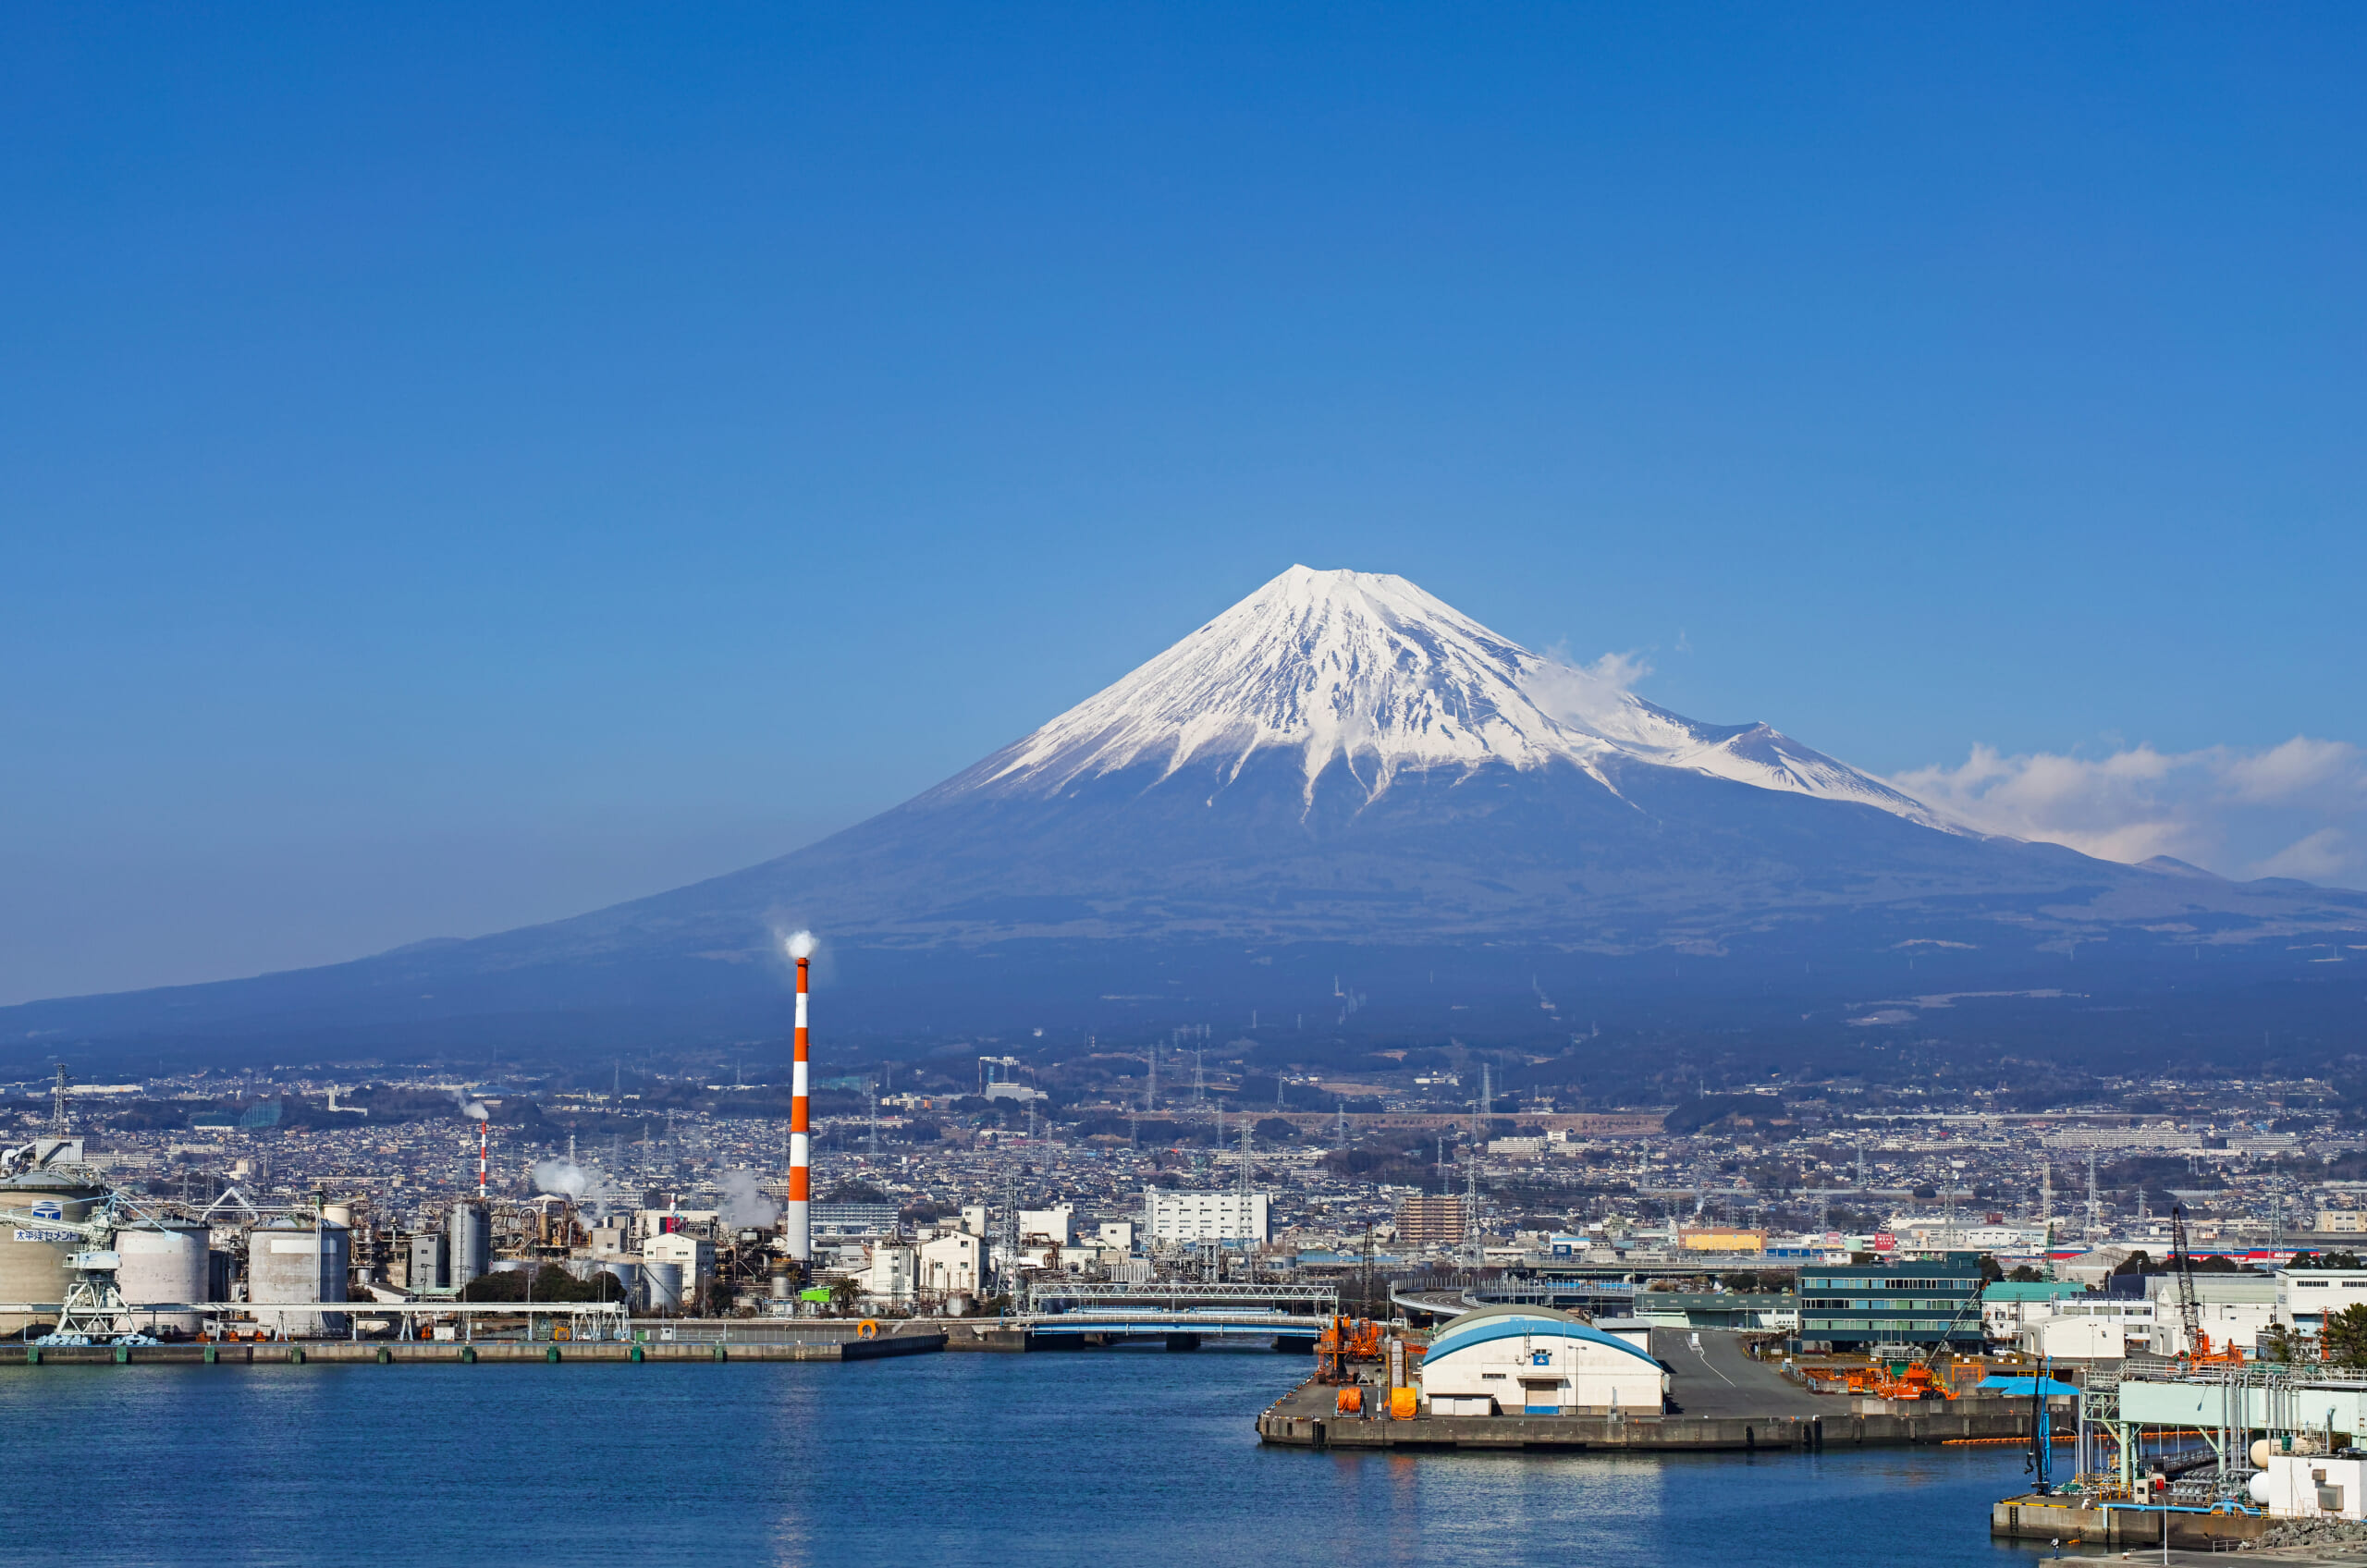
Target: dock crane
[2198,1343]
[2190,1310]
[94,1311]
[1921,1380]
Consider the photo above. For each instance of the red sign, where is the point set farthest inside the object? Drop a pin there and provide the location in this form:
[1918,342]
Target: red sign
[1884,1241]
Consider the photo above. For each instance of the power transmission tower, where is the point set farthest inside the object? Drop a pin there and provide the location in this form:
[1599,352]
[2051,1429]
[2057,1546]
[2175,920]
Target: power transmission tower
[1010,1233]
[1242,1195]
[2095,1203]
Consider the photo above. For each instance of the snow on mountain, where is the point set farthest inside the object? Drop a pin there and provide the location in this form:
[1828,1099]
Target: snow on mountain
[1368,671]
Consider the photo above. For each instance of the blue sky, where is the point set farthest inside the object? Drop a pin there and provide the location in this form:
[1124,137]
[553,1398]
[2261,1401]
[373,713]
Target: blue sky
[458,469]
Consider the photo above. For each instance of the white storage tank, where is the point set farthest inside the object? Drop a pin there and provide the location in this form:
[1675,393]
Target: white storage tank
[470,1249]
[664,1283]
[288,1261]
[33,1247]
[163,1263]
[626,1270]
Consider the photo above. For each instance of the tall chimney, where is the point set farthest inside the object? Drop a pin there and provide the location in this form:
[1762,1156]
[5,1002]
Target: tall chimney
[485,1129]
[795,1230]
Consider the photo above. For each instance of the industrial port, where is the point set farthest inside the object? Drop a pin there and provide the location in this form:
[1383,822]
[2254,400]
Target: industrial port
[2154,1309]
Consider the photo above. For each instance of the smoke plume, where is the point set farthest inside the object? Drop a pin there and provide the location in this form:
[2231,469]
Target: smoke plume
[801,945]
[744,1203]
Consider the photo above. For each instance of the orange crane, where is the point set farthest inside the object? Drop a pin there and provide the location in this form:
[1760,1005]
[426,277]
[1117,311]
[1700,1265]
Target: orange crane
[2198,1343]
[1344,1340]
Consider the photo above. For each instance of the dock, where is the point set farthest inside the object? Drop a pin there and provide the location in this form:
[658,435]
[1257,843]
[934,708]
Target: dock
[2071,1519]
[384,1353]
[1723,1402]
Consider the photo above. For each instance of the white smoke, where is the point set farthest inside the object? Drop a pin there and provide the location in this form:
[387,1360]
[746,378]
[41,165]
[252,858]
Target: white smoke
[800,944]
[564,1177]
[583,1184]
[744,1203]
[471,1109]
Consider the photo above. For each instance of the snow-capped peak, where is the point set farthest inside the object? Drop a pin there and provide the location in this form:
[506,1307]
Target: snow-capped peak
[1368,670]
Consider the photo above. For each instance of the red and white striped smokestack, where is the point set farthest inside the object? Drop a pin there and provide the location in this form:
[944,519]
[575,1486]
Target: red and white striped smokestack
[484,1129]
[796,1231]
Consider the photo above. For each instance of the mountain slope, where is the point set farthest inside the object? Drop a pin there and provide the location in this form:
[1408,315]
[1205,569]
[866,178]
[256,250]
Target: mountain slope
[1340,766]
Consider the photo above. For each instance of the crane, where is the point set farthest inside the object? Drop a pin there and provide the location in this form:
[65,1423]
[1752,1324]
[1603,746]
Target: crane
[2189,1311]
[92,1306]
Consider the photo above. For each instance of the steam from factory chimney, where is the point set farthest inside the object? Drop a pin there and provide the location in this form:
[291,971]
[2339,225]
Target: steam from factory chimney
[796,1232]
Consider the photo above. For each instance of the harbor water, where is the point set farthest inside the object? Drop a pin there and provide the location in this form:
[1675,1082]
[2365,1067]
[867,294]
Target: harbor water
[1050,1460]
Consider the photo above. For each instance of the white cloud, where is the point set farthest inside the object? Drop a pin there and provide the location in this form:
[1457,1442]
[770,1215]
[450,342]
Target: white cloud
[2284,811]
[1614,672]
[2323,856]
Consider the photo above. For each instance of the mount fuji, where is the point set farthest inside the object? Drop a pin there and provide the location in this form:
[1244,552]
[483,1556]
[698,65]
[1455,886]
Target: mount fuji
[1340,776]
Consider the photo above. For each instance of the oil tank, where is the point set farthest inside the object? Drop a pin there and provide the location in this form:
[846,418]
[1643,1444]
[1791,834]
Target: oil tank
[664,1283]
[290,1261]
[34,1254]
[167,1263]
[469,1253]
[627,1272]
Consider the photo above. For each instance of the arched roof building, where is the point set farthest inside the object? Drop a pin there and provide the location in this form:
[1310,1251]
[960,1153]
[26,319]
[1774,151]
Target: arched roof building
[1536,1361]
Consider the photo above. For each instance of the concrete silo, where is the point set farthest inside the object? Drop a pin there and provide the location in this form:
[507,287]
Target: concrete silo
[163,1263]
[34,1247]
[289,1260]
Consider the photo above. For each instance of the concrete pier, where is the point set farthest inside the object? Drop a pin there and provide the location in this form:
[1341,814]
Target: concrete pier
[2077,1522]
[1308,1417]
[403,1352]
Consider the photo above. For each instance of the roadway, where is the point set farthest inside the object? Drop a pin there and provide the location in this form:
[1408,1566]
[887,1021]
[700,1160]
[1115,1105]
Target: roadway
[1713,1377]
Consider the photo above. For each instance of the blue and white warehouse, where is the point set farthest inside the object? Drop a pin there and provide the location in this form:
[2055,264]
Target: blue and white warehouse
[1534,1361]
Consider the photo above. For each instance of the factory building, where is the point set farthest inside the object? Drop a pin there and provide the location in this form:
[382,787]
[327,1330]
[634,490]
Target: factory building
[2091,1328]
[1205,1217]
[894,1274]
[2305,1297]
[693,1255]
[951,1263]
[1850,1306]
[1536,1361]
[2010,1305]
[1430,1221]
[2232,1309]
[842,1217]
[1056,1224]
[426,1267]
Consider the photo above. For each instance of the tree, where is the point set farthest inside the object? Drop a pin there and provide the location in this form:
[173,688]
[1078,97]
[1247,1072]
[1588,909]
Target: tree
[2276,1342]
[2024,1274]
[2343,1340]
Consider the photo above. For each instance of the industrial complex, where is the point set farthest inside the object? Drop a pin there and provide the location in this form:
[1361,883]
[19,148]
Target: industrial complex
[2161,1307]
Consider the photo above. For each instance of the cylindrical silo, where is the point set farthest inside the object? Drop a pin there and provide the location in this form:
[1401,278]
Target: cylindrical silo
[627,1273]
[33,1247]
[163,1263]
[291,1262]
[470,1251]
[664,1283]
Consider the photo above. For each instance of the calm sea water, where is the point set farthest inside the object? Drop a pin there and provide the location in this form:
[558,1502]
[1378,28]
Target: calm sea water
[1042,1460]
